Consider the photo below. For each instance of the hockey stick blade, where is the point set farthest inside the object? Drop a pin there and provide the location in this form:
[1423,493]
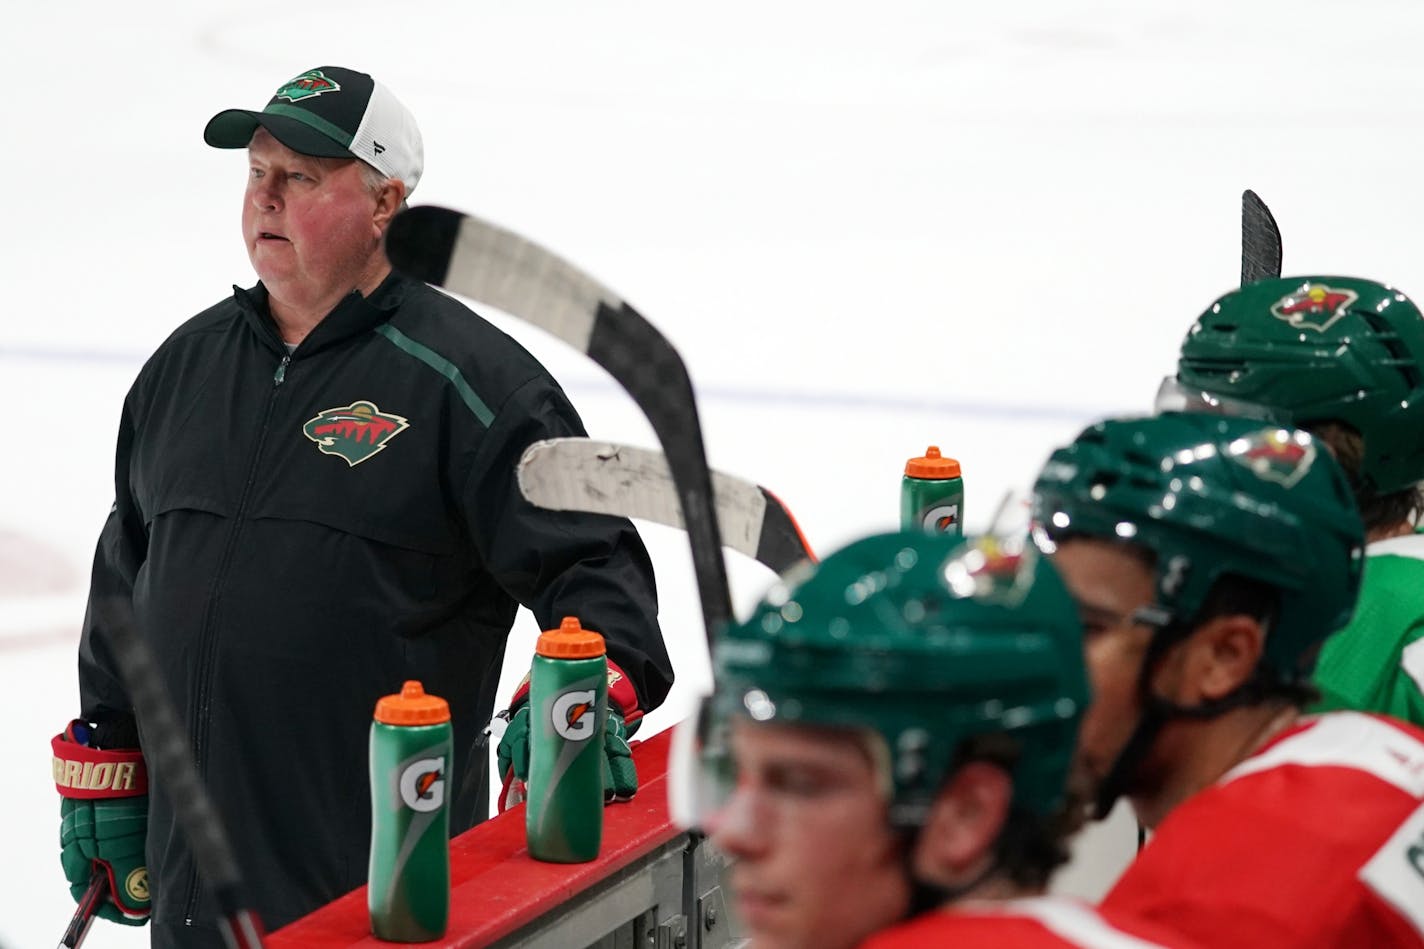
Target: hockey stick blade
[494,266]
[581,474]
[1260,240]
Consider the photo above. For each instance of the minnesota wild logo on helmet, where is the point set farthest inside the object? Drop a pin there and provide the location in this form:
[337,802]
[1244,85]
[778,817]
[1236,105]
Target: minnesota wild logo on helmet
[1212,496]
[313,82]
[1314,306]
[1276,454]
[923,641]
[991,571]
[1308,350]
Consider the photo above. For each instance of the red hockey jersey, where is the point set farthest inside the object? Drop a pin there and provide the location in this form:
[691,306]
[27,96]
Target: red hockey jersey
[1043,923]
[1315,840]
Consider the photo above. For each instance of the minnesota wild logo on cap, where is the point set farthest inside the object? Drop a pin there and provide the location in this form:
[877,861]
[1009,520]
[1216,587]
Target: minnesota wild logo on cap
[354,432]
[1314,306]
[313,82]
[1275,454]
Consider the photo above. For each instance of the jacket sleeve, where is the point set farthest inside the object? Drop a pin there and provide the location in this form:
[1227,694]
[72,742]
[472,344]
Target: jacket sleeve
[560,563]
[123,544]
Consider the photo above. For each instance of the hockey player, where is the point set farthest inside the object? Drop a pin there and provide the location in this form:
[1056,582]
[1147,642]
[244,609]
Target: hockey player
[891,732]
[1210,557]
[1344,359]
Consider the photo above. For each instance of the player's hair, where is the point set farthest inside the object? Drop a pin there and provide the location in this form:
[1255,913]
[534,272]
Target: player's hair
[1376,510]
[372,177]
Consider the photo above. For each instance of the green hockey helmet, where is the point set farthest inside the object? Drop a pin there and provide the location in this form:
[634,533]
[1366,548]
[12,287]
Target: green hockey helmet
[1302,350]
[922,641]
[1213,496]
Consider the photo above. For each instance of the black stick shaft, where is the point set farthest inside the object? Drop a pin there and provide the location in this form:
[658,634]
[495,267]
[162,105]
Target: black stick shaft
[83,917]
[166,753]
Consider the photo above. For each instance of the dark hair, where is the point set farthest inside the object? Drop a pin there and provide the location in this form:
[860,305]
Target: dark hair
[1376,510]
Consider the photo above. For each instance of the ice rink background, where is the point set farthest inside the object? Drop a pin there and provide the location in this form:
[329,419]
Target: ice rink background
[867,227]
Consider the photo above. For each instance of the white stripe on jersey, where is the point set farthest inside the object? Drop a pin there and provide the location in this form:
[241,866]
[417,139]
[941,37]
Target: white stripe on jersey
[1410,545]
[1347,740]
[1412,660]
[1396,871]
[1076,923]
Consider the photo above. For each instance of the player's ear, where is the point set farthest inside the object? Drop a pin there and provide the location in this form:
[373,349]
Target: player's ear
[963,824]
[388,203]
[1224,654]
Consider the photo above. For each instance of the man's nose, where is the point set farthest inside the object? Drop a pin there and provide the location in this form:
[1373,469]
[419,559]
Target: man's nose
[736,828]
[265,195]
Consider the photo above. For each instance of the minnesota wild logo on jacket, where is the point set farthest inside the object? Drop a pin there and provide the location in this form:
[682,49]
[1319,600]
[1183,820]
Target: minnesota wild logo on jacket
[354,432]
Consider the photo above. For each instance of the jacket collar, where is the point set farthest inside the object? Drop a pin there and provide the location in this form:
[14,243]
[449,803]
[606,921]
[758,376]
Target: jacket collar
[353,316]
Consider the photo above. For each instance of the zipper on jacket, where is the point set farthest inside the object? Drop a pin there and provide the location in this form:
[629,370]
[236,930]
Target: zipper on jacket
[208,632]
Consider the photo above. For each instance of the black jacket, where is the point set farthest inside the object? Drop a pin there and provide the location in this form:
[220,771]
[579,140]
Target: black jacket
[296,535]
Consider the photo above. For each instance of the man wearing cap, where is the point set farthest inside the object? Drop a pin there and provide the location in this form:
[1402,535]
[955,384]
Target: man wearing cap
[316,500]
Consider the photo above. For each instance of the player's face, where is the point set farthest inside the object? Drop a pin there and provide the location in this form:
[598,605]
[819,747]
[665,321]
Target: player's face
[312,226]
[1109,584]
[816,864]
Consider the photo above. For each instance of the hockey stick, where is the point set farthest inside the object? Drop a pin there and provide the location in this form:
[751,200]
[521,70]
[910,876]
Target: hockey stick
[166,752]
[83,918]
[497,267]
[1260,240]
[580,474]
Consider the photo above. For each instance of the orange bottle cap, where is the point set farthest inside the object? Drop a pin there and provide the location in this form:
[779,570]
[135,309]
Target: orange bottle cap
[570,641]
[412,707]
[932,467]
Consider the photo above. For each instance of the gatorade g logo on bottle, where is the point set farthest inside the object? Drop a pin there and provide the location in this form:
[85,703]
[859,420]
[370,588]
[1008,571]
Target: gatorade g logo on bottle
[932,494]
[422,784]
[941,519]
[573,714]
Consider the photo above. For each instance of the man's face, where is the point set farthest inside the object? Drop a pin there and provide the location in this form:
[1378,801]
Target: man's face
[1109,584]
[816,862]
[308,223]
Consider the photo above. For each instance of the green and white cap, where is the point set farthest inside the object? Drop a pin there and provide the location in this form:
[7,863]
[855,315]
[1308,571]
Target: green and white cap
[332,112]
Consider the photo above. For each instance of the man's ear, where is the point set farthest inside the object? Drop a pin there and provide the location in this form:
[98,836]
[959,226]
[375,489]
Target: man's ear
[388,204]
[963,824]
[1221,655]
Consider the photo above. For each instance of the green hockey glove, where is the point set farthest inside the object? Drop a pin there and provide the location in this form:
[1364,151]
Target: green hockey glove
[512,757]
[620,775]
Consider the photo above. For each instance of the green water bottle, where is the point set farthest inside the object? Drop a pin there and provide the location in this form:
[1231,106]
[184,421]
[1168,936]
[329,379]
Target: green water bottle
[932,494]
[568,705]
[408,890]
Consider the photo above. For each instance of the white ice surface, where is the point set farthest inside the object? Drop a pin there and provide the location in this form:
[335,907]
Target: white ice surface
[868,227]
